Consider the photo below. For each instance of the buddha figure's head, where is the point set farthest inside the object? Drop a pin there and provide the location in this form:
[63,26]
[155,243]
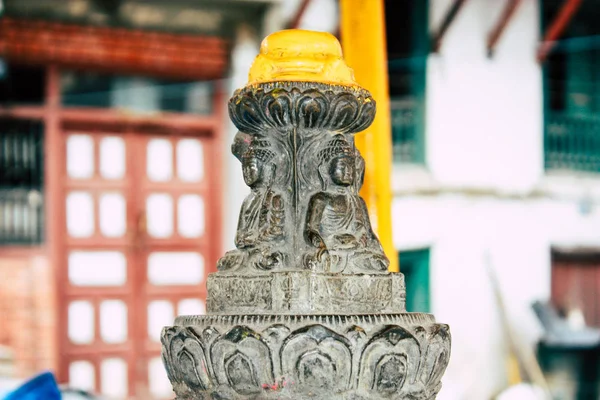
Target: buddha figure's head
[254,162]
[342,170]
[337,159]
[251,170]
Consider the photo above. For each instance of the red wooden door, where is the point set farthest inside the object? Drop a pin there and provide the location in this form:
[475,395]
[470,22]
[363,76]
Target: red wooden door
[136,254]
[576,284]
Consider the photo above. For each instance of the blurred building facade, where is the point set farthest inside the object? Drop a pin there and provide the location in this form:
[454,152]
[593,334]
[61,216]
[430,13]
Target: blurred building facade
[496,172]
[112,138]
[497,169]
[496,162]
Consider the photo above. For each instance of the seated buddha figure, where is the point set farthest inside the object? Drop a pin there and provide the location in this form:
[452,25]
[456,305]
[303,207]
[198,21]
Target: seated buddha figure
[261,219]
[337,222]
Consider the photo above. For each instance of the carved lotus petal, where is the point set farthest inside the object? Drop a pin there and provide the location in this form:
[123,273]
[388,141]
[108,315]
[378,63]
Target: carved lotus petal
[285,105]
[344,111]
[312,108]
[369,357]
[277,105]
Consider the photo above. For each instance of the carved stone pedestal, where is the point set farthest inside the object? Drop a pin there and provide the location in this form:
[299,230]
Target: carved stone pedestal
[374,356]
[304,307]
[305,292]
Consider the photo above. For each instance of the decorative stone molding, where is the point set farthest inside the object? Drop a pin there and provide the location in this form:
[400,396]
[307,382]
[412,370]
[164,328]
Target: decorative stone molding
[305,292]
[305,306]
[304,105]
[377,356]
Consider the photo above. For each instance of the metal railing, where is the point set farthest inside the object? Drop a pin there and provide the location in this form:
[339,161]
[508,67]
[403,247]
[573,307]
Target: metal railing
[21,216]
[407,135]
[21,182]
[572,142]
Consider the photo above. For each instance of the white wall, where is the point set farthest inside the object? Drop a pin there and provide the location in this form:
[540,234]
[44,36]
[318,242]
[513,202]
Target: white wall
[481,111]
[483,199]
[514,236]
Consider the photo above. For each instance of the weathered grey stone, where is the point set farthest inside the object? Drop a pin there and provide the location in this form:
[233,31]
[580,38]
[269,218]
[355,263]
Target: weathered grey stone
[305,292]
[304,307]
[376,356]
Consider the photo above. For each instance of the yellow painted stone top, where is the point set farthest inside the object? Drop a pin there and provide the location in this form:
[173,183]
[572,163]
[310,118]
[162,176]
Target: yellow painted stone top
[301,56]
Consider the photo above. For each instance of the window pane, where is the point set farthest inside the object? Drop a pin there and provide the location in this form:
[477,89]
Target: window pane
[114,377]
[191,307]
[135,94]
[132,93]
[112,215]
[190,160]
[159,163]
[20,84]
[81,376]
[21,153]
[112,157]
[157,377]
[190,216]
[199,98]
[159,215]
[85,89]
[21,176]
[80,214]
[81,322]
[173,268]
[97,268]
[113,321]
[80,156]
[20,216]
[415,267]
[160,314]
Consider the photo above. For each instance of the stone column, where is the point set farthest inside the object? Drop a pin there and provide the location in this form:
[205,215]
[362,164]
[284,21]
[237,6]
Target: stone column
[304,307]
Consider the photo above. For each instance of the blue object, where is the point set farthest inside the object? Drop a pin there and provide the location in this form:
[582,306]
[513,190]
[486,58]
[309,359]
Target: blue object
[42,387]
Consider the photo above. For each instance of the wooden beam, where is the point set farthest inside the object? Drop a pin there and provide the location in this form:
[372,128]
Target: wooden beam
[197,125]
[295,22]
[557,28]
[496,33]
[23,112]
[436,40]
[161,122]
[113,49]
[54,215]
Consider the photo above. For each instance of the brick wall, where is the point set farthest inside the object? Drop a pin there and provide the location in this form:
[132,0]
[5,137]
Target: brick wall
[27,312]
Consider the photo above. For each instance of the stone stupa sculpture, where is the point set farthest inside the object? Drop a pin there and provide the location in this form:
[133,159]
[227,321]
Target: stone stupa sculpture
[304,307]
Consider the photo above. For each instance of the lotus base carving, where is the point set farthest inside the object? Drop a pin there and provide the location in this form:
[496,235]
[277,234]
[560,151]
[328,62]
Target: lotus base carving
[358,357]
